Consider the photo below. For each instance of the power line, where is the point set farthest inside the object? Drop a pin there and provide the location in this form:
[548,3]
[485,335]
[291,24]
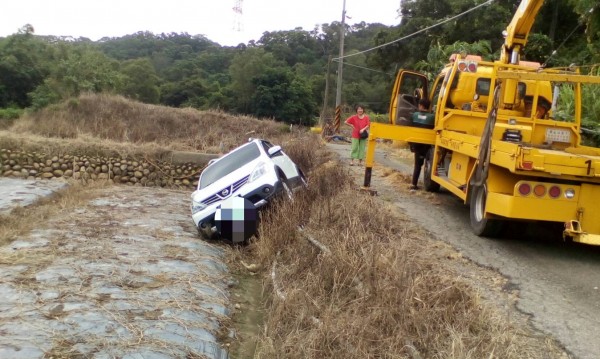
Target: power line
[417,32]
[337,59]
[362,67]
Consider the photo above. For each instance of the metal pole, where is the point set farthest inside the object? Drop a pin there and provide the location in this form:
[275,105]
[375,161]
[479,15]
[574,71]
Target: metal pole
[326,96]
[338,93]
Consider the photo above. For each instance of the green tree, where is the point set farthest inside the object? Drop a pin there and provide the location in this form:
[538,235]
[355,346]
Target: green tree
[282,95]
[190,92]
[589,12]
[79,69]
[485,23]
[140,82]
[438,55]
[295,46]
[539,48]
[24,64]
[185,84]
[246,66]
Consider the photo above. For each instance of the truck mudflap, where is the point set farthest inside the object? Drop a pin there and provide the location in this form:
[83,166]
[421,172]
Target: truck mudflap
[574,232]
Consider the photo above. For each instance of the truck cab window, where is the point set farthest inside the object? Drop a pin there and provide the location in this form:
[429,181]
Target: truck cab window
[482,88]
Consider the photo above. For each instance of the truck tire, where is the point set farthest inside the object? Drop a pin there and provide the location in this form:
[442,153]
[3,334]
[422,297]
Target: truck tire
[483,227]
[430,186]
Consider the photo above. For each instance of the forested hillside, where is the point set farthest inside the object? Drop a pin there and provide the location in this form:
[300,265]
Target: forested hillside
[282,75]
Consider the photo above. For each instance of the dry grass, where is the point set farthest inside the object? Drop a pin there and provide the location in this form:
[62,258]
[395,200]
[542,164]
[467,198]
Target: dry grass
[83,145]
[375,287]
[114,118]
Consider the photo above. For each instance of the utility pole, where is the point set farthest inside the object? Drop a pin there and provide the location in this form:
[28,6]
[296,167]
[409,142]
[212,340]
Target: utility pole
[338,93]
[322,120]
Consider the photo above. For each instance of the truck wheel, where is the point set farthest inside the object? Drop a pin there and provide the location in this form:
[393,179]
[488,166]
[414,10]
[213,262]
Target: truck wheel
[482,226]
[430,186]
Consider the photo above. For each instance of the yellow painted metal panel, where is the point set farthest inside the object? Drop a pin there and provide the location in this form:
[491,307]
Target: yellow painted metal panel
[460,142]
[584,150]
[525,131]
[450,187]
[589,204]
[403,133]
[561,163]
[459,170]
[538,162]
[501,181]
[503,159]
[531,208]
[547,76]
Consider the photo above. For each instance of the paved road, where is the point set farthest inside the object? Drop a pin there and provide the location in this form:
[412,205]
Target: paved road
[558,283]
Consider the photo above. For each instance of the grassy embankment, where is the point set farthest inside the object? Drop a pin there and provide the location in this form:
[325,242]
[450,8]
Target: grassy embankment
[376,288]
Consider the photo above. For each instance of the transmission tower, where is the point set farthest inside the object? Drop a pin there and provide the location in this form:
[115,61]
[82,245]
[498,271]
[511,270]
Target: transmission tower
[237,20]
[399,11]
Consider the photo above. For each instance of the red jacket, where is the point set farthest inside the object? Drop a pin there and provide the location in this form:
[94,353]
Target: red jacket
[358,124]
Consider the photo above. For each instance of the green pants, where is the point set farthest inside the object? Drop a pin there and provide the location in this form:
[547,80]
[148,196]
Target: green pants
[358,150]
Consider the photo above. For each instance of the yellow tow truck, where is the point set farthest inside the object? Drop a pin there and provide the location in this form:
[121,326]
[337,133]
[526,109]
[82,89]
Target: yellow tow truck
[492,148]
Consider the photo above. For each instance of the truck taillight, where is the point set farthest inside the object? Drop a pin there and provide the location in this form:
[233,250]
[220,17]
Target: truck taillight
[554,192]
[527,165]
[467,66]
[539,190]
[524,189]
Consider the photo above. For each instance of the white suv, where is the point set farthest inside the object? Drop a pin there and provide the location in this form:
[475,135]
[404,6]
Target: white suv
[256,171]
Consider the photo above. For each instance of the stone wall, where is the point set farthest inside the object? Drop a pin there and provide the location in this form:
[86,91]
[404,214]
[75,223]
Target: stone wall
[129,171]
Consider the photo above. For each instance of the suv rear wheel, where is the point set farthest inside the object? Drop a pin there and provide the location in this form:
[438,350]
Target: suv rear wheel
[286,190]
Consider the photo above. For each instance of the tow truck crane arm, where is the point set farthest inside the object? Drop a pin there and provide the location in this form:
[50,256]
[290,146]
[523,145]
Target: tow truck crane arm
[517,31]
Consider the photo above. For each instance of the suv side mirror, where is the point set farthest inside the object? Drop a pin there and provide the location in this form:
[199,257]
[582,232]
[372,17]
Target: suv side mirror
[273,150]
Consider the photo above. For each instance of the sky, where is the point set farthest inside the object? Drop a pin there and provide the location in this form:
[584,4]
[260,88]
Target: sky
[214,19]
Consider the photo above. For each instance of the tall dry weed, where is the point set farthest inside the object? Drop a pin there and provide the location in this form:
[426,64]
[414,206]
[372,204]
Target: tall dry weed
[375,286]
[115,118]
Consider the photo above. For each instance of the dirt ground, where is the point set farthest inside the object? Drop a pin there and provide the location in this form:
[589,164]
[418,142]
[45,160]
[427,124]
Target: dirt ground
[533,276]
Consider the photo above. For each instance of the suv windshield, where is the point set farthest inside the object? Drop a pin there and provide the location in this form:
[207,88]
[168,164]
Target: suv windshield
[228,164]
